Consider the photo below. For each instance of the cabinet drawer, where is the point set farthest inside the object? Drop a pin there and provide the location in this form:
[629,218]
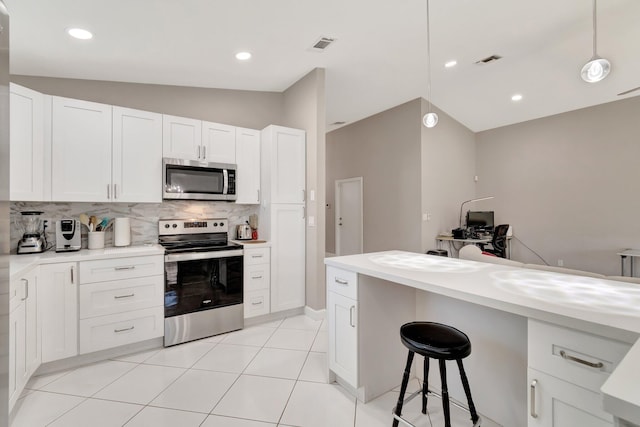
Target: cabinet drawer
[102,298]
[342,282]
[578,357]
[121,268]
[256,277]
[256,256]
[99,333]
[256,303]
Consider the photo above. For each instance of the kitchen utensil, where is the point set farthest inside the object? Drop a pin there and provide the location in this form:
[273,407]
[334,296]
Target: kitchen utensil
[109,224]
[93,220]
[243,231]
[103,224]
[84,220]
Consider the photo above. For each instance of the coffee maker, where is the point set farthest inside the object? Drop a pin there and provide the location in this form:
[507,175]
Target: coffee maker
[34,239]
[68,235]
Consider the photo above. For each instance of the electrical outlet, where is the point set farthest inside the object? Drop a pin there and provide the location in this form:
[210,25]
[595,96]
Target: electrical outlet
[560,263]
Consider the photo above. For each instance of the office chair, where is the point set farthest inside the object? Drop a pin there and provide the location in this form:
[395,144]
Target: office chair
[499,241]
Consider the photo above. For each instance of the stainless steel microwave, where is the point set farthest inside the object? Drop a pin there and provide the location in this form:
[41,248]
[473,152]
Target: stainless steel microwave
[194,180]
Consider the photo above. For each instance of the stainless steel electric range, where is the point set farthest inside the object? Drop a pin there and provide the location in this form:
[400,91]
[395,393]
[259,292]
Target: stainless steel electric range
[203,279]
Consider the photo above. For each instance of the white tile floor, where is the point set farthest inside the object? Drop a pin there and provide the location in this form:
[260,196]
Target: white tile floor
[268,375]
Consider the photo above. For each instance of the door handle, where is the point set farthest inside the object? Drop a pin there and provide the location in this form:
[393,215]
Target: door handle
[108,191]
[532,397]
[351,310]
[204,152]
[26,289]
[198,151]
[115,191]
[72,276]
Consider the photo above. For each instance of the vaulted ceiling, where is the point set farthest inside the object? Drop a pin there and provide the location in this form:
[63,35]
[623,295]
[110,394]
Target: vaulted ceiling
[377,61]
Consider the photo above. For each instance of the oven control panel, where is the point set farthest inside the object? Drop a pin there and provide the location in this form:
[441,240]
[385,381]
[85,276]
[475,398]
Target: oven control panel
[192,226]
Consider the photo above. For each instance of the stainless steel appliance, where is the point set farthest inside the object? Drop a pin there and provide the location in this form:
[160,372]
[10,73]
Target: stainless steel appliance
[203,279]
[193,180]
[68,237]
[243,232]
[34,239]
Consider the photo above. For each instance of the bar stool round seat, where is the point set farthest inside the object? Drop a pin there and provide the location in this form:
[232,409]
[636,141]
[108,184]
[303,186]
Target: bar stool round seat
[440,342]
[435,340]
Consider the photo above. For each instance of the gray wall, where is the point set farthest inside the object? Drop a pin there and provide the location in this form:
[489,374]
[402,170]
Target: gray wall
[304,108]
[250,109]
[448,170]
[568,184]
[384,149]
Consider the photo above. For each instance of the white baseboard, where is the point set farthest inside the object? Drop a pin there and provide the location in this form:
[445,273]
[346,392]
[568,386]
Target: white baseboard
[315,314]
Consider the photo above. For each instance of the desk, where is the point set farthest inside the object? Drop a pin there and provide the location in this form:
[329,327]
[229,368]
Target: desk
[631,253]
[452,240]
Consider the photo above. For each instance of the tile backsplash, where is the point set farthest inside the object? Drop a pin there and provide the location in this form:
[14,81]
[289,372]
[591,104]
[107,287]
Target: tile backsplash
[144,216]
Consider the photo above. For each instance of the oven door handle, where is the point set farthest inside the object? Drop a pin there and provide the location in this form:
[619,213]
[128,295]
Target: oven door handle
[191,256]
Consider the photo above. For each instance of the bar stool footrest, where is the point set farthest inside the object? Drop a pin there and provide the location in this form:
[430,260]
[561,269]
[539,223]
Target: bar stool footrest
[434,394]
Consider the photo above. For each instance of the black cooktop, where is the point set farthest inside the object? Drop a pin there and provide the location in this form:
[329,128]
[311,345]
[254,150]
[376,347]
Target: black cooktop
[197,243]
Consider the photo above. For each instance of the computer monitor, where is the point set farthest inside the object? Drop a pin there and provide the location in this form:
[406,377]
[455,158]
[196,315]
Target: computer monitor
[480,220]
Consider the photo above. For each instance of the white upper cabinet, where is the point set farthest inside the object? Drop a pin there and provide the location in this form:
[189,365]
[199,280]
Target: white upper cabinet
[284,164]
[80,151]
[137,156]
[218,143]
[191,139]
[182,138]
[27,144]
[248,161]
[102,153]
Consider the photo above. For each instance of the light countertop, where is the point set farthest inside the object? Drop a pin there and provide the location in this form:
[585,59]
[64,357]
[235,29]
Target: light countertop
[20,264]
[248,244]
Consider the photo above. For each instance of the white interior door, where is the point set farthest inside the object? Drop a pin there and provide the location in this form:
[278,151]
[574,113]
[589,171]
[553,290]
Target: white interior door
[349,216]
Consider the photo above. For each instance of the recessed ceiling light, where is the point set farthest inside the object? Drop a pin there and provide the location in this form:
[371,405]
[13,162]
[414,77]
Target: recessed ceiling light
[79,33]
[451,64]
[516,97]
[243,56]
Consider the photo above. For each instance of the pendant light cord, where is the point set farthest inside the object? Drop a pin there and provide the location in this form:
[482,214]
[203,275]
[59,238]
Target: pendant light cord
[595,27]
[429,57]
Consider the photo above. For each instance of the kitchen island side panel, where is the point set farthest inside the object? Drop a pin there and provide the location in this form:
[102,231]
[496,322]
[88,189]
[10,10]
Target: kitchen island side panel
[497,366]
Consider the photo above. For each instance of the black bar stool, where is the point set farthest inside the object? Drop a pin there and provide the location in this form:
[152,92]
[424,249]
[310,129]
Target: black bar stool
[441,342]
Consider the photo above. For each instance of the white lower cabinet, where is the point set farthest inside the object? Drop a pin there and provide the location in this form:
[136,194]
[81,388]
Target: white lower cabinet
[566,370]
[24,335]
[121,302]
[342,316]
[58,308]
[257,271]
[557,403]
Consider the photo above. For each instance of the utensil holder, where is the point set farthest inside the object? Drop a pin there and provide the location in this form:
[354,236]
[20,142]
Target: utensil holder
[96,240]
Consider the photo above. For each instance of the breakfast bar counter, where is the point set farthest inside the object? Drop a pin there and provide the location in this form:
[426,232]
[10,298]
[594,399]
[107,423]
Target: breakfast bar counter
[523,324]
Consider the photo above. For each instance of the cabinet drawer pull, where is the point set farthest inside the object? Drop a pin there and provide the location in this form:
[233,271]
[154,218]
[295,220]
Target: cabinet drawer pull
[256,256]
[532,397]
[582,361]
[198,152]
[204,152]
[351,310]
[256,277]
[72,275]
[26,289]
[341,281]
[256,303]
[130,267]
[123,296]
[123,330]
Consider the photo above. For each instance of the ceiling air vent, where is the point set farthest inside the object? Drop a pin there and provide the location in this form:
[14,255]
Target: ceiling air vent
[489,59]
[322,43]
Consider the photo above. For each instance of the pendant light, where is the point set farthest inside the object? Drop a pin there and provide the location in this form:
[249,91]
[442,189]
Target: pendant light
[430,119]
[597,68]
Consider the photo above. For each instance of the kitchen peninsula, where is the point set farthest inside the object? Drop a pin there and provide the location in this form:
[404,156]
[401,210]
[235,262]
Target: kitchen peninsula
[544,344]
